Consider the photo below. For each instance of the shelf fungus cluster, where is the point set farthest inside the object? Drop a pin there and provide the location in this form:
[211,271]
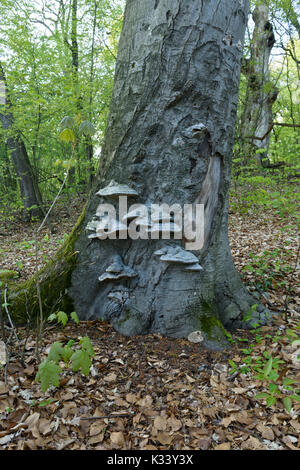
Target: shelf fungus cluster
[153,223]
[106,225]
[117,270]
[178,255]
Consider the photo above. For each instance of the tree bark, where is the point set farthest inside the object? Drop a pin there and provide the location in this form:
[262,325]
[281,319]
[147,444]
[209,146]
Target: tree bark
[30,194]
[178,71]
[257,116]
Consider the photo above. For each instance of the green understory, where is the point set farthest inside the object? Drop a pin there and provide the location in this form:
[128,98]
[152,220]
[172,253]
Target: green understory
[54,281]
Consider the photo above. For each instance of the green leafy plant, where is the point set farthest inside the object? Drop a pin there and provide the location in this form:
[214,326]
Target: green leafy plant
[79,355]
[270,371]
[62,317]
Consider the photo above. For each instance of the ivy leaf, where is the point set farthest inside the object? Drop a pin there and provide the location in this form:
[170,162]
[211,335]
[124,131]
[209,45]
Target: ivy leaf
[81,360]
[48,374]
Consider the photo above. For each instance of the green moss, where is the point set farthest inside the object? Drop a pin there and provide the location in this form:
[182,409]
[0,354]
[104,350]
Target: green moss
[54,280]
[6,274]
[204,314]
[125,319]
[212,327]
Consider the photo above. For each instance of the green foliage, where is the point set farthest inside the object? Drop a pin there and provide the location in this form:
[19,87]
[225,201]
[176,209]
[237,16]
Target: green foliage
[78,355]
[48,374]
[43,87]
[271,372]
[269,268]
[86,128]
[68,136]
[250,194]
[62,317]
[74,317]
[81,360]
[8,274]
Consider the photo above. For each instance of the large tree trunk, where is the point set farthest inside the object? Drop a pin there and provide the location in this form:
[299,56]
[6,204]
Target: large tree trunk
[29,190]
[169,137]
[257,117]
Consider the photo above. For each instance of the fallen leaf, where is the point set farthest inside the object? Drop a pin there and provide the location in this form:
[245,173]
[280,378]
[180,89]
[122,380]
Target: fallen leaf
[223,446]
[266,432]
[164,438]
[131,398]
[145,402]
[117,438]
[160,423]
[96,428]
[204,444]
[3,388]
[112,377]
[174,424]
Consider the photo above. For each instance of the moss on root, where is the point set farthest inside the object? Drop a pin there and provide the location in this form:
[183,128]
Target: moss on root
[54,281]
[6,274]
[206,319]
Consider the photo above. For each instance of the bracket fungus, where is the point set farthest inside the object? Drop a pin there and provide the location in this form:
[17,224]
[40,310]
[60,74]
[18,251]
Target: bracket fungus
[117,270]
[194,267]
[110,228]
[115,189]
[92,226]
[178,255]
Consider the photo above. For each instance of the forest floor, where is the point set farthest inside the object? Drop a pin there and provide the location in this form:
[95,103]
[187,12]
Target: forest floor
[155,393]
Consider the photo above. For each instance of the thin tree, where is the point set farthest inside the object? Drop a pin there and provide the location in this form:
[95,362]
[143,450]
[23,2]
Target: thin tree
[16,148]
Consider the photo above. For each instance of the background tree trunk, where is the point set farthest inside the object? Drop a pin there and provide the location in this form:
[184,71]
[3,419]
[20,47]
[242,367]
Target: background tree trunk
[178,68]
[257,115]
[30,194]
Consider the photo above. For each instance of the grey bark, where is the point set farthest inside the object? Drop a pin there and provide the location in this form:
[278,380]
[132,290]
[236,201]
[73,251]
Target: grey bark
[178,70]
[16,148]
[257,118]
